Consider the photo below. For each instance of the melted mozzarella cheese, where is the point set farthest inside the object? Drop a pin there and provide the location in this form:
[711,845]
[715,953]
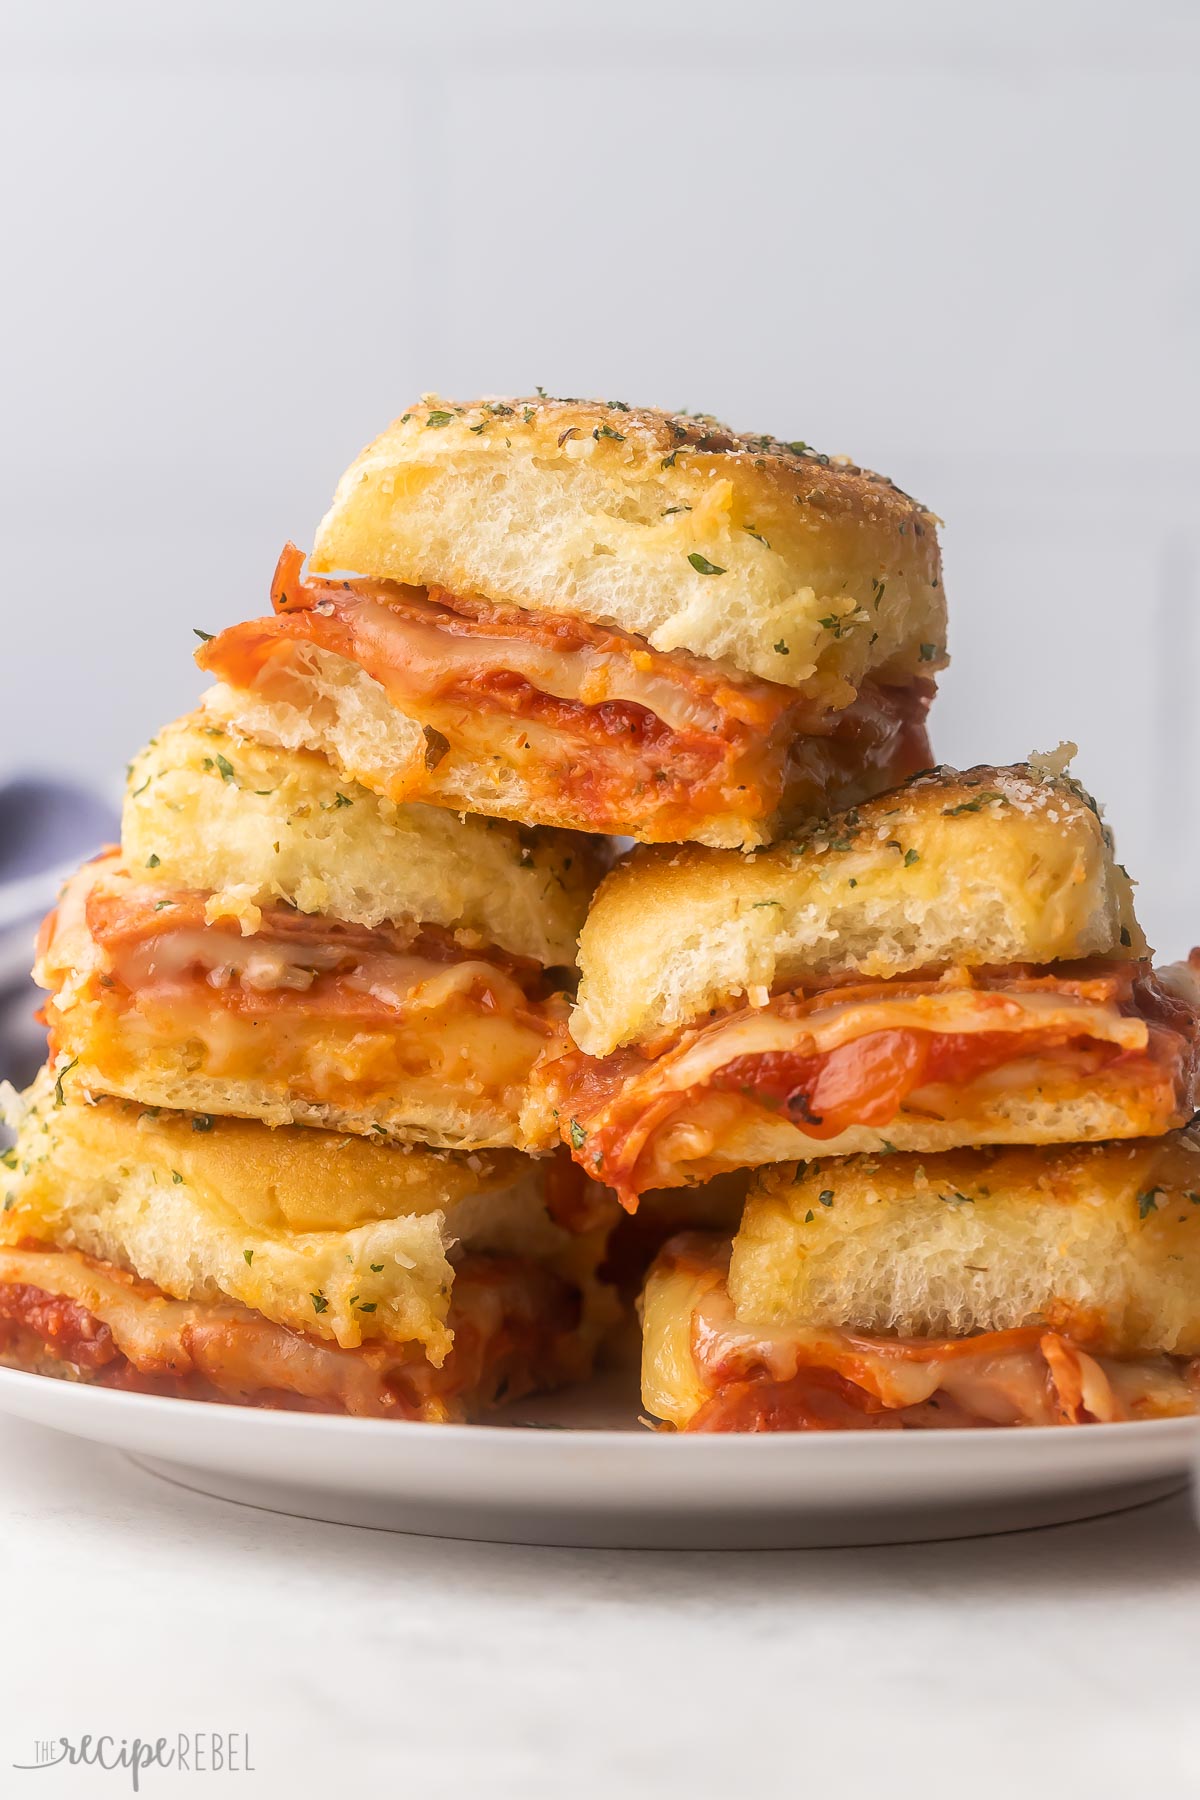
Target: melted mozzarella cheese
[419,659]
[949,1011]
[694,1344]
[236,1349]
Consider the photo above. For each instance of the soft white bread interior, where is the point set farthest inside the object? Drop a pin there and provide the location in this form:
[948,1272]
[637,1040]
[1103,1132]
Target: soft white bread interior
[990,866]
[210,808]
[340,1237]
[1101,1242]
[788,563]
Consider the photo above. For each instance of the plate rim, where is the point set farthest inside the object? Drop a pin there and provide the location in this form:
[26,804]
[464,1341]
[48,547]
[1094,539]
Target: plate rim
[292,1424]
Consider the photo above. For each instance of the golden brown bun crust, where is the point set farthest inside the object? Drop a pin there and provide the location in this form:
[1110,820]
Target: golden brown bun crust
[1101,1242]
[990,866]
[821,571]
[211,809]
[212,1208]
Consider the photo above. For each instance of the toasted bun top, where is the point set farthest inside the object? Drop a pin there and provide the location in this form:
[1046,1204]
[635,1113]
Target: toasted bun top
[990,866]
[339,1236]
[788,563]
[209,808]
[1100,1241]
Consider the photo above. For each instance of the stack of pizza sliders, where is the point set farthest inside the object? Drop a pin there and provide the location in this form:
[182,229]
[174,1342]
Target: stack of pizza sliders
[930,1025]
[287,1149]
[276,1156]
[325,1123]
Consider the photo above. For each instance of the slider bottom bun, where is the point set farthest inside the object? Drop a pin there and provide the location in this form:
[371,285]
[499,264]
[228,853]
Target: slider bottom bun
[1011,1287]
[215,1259]
[408,1032]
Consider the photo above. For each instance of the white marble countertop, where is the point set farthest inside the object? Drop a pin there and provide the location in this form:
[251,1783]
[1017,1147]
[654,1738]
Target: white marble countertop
[1055,1662]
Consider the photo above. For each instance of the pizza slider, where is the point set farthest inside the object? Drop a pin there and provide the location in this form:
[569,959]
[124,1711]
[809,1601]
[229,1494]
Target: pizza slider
[1014,1286]
[623,621]
[215,1259]
[275,942]
[956,962]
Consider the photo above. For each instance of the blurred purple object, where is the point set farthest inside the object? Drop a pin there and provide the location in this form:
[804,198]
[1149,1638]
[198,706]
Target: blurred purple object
[47,828]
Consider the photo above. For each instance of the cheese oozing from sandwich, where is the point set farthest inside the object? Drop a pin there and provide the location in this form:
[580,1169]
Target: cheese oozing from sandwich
[955,962]
[514,1323]
[705,1368]
[1013,1286]
[215,1259]
[426,695]
[406,1030]
[964,1056]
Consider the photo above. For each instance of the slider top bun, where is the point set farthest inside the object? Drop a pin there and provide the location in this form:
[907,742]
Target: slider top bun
[788,563]
[1100,1241]
[207,808]
[989,866]
[210,1207]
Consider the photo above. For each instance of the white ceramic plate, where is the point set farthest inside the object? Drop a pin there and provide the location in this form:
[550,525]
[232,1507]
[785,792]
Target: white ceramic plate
[569,1476]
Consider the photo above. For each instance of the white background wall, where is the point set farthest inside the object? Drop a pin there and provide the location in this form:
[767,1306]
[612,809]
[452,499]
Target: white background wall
[956,240]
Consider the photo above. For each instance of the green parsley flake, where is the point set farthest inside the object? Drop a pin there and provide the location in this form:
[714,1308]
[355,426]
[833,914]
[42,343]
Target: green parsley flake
[971,806]
[249,1256]
[435,420]
[226,768]
[58,1085]
[320,1303]
[578,1135]
[702,565]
